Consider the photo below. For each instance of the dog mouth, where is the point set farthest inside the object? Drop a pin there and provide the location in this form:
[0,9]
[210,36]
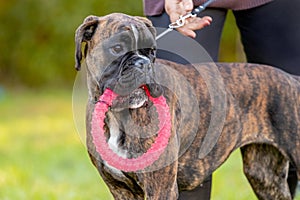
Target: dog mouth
[136,99]
[129,77]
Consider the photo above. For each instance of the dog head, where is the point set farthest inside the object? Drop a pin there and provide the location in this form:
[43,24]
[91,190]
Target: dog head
[119,52]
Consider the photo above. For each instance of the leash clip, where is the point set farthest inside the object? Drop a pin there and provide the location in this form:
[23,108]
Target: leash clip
[181,21]
[177,24]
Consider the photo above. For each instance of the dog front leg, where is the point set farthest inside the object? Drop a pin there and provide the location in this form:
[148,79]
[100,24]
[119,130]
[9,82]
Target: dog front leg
[160,184]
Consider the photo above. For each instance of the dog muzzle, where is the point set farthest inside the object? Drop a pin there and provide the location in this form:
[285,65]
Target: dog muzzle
[135,71]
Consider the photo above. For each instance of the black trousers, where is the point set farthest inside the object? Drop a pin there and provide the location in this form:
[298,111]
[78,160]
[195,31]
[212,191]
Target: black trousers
[270,35]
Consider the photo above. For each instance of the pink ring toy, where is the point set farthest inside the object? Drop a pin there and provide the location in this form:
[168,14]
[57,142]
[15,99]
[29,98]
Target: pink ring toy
[152,154]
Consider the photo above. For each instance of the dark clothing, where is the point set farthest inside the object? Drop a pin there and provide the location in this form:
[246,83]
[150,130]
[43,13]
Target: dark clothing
[208,38]
[156,7]
[270,33]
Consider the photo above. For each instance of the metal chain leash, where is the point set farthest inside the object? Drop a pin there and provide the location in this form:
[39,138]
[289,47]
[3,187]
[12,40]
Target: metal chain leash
[182,19]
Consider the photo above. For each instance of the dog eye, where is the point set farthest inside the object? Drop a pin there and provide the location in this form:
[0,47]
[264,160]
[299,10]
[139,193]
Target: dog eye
[117,49]
[153,50]
[149,51]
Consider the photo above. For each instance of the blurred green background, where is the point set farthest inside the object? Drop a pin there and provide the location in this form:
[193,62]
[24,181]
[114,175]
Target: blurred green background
[37,38]
[41,154]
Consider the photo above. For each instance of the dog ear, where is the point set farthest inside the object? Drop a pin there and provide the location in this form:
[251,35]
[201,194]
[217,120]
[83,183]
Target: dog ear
[149,24]
[84,33]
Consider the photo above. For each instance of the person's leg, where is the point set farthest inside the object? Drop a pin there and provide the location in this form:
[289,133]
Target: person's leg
[271,35]
[209,39]
[202,192]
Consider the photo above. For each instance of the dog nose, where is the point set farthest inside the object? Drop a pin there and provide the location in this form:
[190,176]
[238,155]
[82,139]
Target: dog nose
[141,63]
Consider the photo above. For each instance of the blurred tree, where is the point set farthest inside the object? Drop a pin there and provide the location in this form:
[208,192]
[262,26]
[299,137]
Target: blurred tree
[37,38]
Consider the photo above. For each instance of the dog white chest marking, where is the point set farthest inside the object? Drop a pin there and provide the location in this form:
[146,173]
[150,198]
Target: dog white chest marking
[113,141]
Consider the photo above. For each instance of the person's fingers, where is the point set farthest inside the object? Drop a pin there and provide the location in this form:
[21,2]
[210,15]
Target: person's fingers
[174,16]
[177,8]
[187,32]
[193,24]
[188,5]
[198,23]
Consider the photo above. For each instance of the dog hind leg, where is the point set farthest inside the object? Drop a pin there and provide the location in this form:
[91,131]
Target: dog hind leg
[266,169]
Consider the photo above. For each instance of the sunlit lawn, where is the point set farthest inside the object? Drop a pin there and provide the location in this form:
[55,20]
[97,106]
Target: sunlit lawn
[42,156]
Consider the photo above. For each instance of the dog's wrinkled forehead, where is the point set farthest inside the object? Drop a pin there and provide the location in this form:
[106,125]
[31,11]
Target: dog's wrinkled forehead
[132,32]
[117,23]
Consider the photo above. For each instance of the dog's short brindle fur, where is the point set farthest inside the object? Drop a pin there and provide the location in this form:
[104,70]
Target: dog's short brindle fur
[263,117]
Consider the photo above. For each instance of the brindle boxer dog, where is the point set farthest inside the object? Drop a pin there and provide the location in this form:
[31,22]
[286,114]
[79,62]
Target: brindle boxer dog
[262,115]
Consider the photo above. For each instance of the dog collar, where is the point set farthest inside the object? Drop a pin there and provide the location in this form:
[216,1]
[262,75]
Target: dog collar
[152,154]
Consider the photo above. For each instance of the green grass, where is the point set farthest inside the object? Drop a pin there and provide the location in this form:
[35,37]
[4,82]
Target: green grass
[229,181]
[42,156]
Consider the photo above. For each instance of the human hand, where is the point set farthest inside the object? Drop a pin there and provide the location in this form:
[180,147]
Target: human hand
[177,8]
